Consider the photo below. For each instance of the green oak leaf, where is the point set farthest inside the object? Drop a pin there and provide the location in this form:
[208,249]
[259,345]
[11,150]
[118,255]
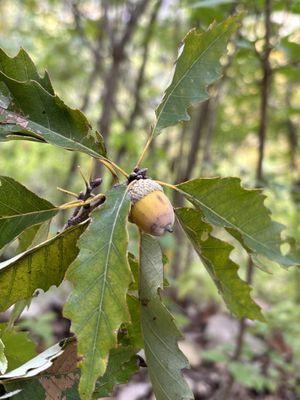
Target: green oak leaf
[19,209]
[164,359]
[122,362]
[22,68]
[18,346]
[29,111]
[101,277]
[197,66]
[30,238]
[38,268]
[33,236]
[215,255]
[242,213]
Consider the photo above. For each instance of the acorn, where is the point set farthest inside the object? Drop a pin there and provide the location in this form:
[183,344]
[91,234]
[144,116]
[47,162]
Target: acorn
[151,210]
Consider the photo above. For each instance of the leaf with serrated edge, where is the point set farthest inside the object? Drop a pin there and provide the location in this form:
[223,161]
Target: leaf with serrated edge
[197,66]
[19,209]
[28,239]
[101,277]
[21,68]
[36,114]
[241,212]
[215,255]
[122,362]
[38,268]
[164,359]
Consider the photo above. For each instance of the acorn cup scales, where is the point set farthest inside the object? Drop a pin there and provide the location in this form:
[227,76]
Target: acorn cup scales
[151,210]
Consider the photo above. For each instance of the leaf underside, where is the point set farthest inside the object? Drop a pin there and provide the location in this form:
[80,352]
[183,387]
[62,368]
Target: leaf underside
[215,255]
[101,277]
[30,110]
[19,209]
[38,268]
[52,374]
[164,359]
[3,359]
[197,66]
[242,213]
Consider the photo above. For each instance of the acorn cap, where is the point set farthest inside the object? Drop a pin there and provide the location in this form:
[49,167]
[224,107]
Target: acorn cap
[141,188]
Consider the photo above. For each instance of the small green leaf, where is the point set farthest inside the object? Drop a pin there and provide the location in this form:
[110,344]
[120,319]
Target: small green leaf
[38,268]
[17,310]
[101,277]
[35,114]
[215,255]
[19,209]
[242,213]
[197,66]
[18,347]
[164,359]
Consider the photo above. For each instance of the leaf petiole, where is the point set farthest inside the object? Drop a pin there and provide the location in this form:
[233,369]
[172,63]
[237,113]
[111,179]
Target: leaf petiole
[73,204]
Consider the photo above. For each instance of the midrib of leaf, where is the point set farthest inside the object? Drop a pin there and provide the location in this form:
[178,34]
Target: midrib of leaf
[25,214]
[40,128]
[181,79]
[226,222]
[104,283]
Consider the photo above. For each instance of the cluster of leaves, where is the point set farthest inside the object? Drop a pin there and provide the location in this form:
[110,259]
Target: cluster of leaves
[115,307]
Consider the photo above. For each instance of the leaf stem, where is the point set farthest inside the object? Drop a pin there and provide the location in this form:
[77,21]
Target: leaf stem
[142,156]
[169,185]
[112,167]
[67,192]
[73,204]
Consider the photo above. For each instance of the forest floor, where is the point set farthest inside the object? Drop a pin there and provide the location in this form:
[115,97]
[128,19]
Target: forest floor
[265,369]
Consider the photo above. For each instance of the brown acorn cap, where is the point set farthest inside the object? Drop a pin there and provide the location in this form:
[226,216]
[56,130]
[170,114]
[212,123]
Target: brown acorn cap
[140,188]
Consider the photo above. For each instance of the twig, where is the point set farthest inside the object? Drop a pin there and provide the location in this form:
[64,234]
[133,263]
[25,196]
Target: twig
[86,204]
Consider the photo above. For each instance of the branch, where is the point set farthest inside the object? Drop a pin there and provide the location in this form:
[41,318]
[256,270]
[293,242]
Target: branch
[141,77]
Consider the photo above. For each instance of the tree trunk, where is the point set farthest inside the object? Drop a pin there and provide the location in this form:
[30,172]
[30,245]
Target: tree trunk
[265,87]
[112,78]
[140,78]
